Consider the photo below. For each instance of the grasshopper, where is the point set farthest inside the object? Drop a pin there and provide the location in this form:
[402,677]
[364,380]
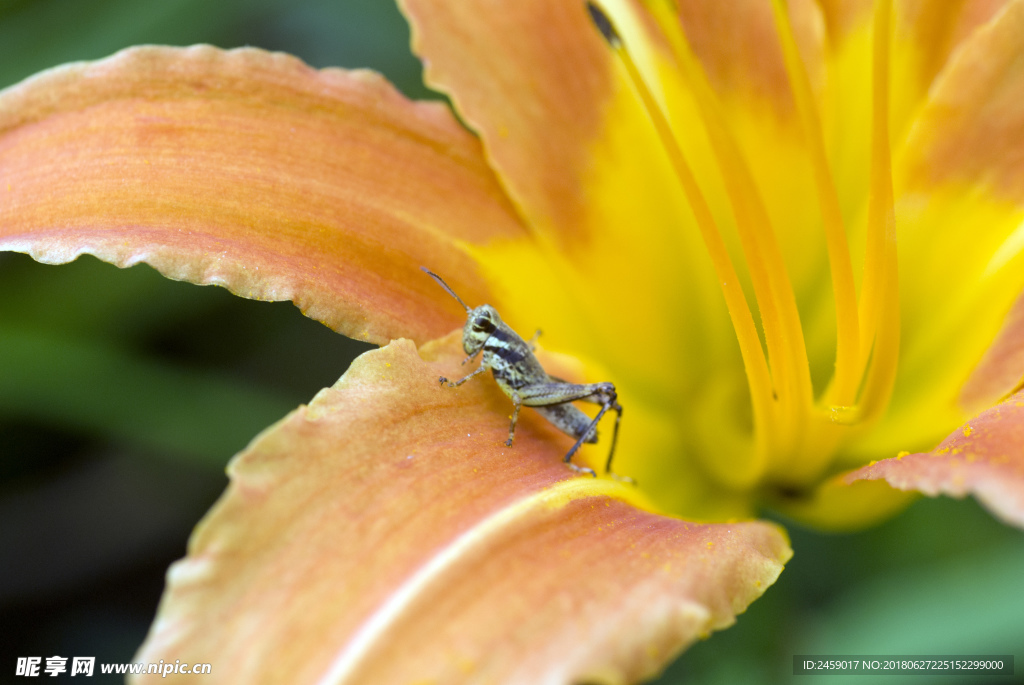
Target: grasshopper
[523,379]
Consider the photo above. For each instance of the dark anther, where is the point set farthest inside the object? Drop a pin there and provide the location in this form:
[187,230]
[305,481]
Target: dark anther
[603,24]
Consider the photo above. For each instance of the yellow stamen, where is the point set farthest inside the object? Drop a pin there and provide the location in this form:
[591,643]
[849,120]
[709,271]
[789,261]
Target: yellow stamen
[847,375]
[880,303]
[794,439]
[775,297]
[739,312]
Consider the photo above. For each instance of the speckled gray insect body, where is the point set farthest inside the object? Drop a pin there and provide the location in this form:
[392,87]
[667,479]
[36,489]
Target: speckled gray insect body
[524,380]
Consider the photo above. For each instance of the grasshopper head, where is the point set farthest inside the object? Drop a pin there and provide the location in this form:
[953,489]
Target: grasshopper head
[480,323]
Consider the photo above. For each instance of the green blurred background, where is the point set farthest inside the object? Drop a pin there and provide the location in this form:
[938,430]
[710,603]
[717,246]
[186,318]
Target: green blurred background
[122,396]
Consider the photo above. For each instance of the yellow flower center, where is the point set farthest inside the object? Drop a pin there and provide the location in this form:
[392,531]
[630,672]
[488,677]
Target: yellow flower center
[796,430]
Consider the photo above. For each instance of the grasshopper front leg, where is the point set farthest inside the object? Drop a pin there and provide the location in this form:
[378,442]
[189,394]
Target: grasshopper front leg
[517,404]
[480,369]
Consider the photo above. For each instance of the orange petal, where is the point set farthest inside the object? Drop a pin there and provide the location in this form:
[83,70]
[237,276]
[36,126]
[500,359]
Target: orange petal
[984,458]
[251,170]
[1001,369]
[927,32]
[970,127]
[937,26]
[738,44]
[532,77]
[926,35]
[385,534]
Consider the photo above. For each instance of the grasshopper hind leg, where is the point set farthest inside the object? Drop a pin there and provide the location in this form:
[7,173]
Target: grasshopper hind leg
[611,451]
[554,401]
[590,435]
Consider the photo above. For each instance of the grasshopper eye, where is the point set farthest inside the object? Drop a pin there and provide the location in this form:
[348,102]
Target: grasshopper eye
[482,324]
[482,320]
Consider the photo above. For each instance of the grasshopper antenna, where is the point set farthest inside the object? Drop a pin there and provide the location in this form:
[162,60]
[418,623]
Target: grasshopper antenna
[440,281]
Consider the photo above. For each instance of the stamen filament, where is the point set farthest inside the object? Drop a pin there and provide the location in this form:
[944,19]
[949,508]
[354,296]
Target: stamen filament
[880,303]
[793,439]
[754,362]
[847,373]
[775,298]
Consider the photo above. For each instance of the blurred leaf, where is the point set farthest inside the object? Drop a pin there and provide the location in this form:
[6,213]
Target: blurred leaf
[105,513]
[971,605]
[89,298]
[39,34]
[107,392]
[937,552]
[90,29]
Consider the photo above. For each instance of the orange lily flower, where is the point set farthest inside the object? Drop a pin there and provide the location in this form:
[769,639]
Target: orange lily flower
[840,170]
